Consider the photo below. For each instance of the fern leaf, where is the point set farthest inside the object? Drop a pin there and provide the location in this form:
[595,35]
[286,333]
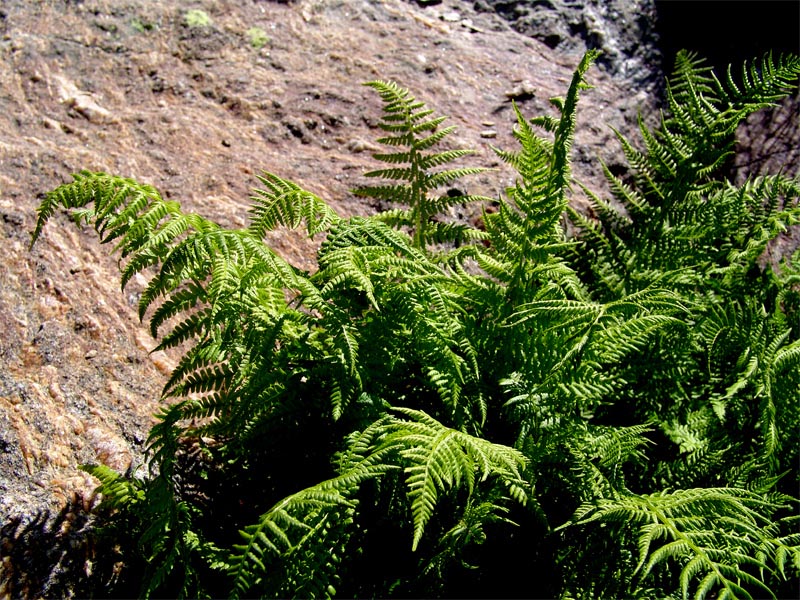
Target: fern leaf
[407,118]
[714,533]
[304,525]
[559,176]
[286,203]
[106,192]
[440,458]
[116,489]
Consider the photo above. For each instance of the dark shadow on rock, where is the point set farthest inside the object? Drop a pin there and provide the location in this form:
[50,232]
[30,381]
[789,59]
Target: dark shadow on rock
[50,555]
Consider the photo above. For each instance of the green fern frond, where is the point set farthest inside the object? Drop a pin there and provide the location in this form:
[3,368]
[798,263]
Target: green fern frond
[438,159]
[280,533]
[308,527]
[764,81]
[456,233]
[715,534]
[440,459]
[349,267]
[401,174]
[579,312]
[193,327]
[106,192]
[179,302]
[470,530]
[613,446]
[559,177]
[405,117]
[116,489]
[629,335]
[285,203]
[442,178]
[531,219]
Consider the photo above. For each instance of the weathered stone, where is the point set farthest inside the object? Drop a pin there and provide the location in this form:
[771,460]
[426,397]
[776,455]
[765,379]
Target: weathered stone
[624,30]
[82,102]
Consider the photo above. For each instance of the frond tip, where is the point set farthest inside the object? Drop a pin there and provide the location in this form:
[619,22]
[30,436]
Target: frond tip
[283,202]
[116,203]
[412,132]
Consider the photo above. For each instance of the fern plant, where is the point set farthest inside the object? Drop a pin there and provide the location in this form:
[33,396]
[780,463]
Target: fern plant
[412,134]
[723,539]
[501,412]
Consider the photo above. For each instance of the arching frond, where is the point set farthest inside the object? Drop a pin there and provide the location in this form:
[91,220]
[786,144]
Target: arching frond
[716,535]
[285,203]
[439,459]
[297,544]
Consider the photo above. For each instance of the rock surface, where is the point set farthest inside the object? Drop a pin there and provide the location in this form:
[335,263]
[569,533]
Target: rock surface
[197,108]
[624,30]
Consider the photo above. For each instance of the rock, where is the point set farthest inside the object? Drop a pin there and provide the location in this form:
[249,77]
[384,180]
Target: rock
[82,102]
[624,30]
[524,90]
[359,145]
[109,449]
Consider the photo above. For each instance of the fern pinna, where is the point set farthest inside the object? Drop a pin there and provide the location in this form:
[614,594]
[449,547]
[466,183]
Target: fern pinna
[444,410]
